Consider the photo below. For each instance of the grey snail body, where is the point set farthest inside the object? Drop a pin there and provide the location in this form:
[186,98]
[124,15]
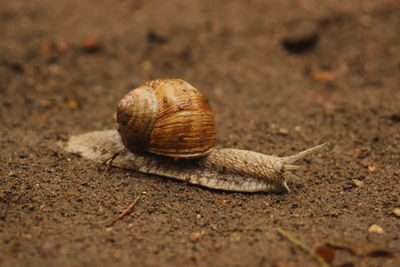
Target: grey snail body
[225,168]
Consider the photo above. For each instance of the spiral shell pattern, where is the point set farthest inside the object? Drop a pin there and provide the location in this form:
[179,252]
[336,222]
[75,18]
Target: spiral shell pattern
[167,117]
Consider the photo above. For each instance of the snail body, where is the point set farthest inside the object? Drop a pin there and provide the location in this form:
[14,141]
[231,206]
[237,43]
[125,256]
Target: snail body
[166,120]
[224,168]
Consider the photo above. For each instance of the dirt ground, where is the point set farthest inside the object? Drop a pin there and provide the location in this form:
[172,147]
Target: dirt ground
[280,75]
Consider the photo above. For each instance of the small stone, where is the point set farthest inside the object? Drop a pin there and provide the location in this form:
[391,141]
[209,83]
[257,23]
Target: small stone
[217,246]
[91,45]
[396,212]
[283,131]
[157,38]
[376,229]
[194,237]
[11,173]
[372,168]
[26,236]
[72,104]
[395,117]
[302,36]
[224,201]
[357,183]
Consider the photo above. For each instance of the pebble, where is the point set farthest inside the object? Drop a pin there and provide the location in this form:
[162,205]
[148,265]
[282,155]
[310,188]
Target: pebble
[357,183]
[91,45]
[396,212]
[395,117]
[301,36]
[217,246]
[194,237]
[376,229]
[283,131]
[372,168]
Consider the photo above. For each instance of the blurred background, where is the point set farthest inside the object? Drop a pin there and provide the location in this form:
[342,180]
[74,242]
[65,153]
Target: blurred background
[280,76]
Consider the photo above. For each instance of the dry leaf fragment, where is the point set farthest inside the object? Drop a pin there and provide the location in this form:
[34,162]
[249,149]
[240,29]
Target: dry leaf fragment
[359,249]
[323,76]
[326,253]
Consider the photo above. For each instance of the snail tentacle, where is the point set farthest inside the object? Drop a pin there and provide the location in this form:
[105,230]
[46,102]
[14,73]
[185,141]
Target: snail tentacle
[302,154]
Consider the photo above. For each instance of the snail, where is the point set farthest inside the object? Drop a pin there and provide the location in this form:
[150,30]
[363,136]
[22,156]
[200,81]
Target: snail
[166,128]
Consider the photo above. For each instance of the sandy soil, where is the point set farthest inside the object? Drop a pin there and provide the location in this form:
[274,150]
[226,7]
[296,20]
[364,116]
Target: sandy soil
[281,76]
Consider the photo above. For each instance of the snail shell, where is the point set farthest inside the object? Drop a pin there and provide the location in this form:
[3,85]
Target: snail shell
[167,117]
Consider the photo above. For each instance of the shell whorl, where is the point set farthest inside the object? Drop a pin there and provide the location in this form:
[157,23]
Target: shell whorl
[167,117]
[136,117]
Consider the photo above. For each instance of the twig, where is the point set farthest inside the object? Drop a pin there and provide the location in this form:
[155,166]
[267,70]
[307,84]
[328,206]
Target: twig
[304,247]
[109,162]
[126,211]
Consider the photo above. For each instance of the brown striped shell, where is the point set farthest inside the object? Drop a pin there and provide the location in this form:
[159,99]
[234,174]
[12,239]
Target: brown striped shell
[167,117]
